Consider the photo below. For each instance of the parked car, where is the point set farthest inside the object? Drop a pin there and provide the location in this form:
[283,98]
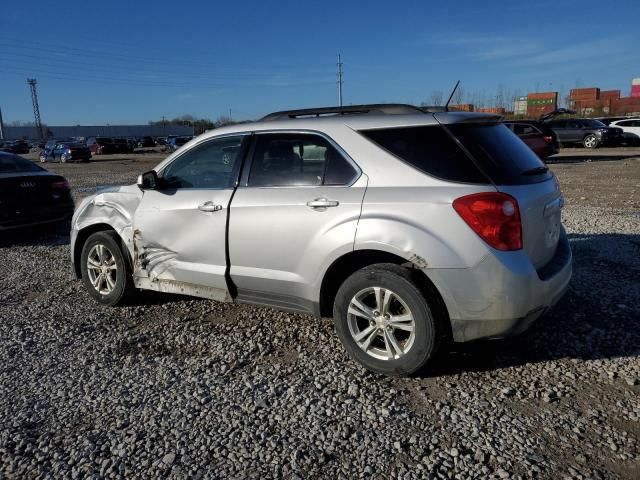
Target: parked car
[30,195]
[147,142]
[175,143]
[16,146]
[537,136]
[409,228]
[587,132]
[65,152]
[630,130]
[108,145]
[122,145]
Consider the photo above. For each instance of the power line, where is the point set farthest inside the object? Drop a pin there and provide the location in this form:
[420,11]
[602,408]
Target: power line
[36,108]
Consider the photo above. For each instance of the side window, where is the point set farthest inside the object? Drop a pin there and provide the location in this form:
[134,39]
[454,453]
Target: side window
[559,124]
[212,164]
[523,129]
[295,159]
[574,124]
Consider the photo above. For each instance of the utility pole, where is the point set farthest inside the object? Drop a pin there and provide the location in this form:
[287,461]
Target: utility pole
[340,80]
[1,126]
[36,108]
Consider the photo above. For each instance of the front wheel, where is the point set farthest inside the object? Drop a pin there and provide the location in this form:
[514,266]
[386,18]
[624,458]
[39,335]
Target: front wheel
[590,141]
[384,321]
[104,269]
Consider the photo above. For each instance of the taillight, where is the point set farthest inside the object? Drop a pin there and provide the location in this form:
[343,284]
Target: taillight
[60,185]
[548,138]
[494,217]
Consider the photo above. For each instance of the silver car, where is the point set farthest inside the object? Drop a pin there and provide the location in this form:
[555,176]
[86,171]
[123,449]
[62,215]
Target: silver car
[410,227]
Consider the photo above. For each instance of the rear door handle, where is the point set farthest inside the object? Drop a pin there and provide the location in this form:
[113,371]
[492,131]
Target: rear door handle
[209,207]
[322,202]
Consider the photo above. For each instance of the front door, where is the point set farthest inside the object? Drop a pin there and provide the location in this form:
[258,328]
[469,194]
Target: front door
[180,228]
[296,208]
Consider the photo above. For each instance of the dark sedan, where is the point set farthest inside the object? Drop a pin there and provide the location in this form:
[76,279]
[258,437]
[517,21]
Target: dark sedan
[19,147]
[31,195]
[538,136]
[66,152]
[587,132]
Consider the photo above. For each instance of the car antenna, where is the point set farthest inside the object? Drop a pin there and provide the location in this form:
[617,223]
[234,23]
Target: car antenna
[446,105]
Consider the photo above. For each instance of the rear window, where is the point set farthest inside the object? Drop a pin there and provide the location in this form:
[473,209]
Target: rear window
[496,151]
[429,149]
[501,154]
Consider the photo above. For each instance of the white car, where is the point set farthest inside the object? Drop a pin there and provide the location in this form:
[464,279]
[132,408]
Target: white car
[409,227]
[630,127]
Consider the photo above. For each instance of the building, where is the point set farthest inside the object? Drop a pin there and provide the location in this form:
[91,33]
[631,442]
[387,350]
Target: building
[15,133]
[591,100]
[635,88]
[540,103]
[520,105]
[465,107]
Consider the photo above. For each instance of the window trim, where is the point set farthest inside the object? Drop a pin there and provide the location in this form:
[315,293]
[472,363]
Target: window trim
[237,169]
[248,164]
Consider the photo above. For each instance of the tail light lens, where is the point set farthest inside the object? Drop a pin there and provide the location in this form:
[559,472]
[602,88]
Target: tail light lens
[494,217]
[548,138]
[60,185]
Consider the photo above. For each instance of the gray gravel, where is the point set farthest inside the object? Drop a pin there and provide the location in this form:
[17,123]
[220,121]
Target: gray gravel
[179,387]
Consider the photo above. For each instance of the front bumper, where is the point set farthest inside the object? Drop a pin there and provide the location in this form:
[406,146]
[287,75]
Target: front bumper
[504,294]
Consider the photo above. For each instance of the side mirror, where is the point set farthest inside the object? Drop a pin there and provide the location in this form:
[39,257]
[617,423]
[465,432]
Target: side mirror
[148,181]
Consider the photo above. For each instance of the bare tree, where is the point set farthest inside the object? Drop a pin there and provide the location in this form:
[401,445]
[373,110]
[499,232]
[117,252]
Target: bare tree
[458,96]
[500,98]
[436,97]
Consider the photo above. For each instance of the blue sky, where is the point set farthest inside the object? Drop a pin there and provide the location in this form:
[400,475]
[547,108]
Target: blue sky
[131,62]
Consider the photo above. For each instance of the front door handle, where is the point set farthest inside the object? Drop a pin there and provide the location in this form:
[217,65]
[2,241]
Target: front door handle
[209,207]
[322,202]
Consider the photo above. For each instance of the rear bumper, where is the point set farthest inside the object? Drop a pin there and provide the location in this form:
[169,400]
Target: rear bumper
[504,294]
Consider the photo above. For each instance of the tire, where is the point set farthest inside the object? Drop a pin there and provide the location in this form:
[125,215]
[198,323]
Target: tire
[43,159]
[590,141]
[119,284]
[63,159]
[376,349]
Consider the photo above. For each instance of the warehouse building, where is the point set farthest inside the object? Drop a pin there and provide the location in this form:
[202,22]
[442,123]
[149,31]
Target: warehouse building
[86,131]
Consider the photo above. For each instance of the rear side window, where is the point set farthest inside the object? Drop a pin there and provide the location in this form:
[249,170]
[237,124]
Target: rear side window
[429,149]
[298,159]
[501,154]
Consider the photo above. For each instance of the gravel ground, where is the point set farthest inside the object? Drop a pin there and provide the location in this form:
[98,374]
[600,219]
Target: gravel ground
[177,387]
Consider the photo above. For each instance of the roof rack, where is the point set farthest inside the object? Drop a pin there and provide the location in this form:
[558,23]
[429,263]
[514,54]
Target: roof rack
[376,108]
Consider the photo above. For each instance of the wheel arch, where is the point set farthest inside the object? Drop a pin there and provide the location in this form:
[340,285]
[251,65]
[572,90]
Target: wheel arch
[82,237]
[349,263]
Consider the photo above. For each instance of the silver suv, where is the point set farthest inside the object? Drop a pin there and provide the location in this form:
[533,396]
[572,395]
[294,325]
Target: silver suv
[409,226]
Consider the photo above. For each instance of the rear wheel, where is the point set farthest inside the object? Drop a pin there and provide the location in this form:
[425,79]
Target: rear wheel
[590,141]
[43,158]
[105,272]
[384,321]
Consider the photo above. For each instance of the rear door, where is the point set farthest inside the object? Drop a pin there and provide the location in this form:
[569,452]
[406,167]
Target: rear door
[180,229]
[297,205]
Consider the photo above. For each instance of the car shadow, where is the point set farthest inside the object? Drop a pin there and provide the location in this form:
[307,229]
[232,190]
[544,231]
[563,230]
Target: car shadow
[41,235]
[582,157]
[598,318]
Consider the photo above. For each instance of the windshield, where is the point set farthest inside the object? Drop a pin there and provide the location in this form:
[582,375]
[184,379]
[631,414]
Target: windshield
[594,124]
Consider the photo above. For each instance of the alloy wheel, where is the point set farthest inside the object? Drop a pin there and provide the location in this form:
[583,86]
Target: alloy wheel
[381,323]
[102,269]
